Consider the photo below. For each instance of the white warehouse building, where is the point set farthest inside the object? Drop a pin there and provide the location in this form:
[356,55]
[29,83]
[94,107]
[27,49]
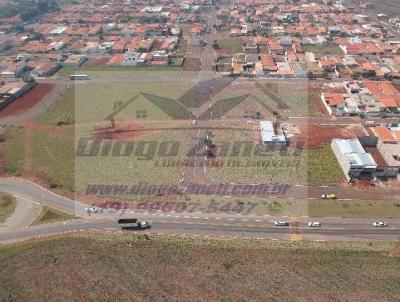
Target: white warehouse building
[353,159]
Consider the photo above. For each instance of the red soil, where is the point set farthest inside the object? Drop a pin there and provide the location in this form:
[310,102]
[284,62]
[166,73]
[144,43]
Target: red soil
[316,135]
[28,100]
[122,131]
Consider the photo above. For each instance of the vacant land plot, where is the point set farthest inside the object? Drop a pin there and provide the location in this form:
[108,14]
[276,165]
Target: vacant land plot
[230,46]
[7,206]
[324,50]
[93,71]
[176,269]
[244,160]
[316,135]
[27,101]
[40,153]
[243,99]
[49,215]
[63,112]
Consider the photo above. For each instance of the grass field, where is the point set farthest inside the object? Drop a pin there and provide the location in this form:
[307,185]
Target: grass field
[324,50]
[354,208]
[230,45]
[291,166]
[62,112]
[91,71]
[289,98]
[41,153]
[7,206]
[49,215]
[135,268]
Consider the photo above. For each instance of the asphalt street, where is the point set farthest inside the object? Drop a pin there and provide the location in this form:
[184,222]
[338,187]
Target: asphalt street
[193,224]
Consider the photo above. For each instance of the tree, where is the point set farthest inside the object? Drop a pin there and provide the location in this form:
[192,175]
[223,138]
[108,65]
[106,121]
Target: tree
[215,44]
[310,75]
[371,74]
[355,75]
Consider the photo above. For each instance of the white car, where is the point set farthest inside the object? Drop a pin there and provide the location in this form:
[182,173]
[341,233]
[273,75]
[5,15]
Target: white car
[250,123]
[380,224]
[314,224]
[91,210]
[281,223]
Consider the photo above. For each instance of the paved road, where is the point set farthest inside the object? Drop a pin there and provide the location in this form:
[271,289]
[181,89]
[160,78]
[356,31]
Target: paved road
[221,228]
[195,224]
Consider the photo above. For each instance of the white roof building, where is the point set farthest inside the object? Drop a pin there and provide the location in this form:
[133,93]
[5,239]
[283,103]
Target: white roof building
[353,159]
[269,136]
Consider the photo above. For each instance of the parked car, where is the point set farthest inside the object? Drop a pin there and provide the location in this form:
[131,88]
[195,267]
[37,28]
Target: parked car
[314,224]
[380,224]
[281,223]
[91,210]
[328,196]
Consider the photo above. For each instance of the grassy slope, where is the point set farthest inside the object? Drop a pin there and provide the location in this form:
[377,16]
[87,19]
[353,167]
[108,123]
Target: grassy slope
[51,153]
[49,215]
[7,206]
[103,268]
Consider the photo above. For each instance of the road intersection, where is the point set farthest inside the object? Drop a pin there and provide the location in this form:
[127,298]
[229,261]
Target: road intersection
[191,224]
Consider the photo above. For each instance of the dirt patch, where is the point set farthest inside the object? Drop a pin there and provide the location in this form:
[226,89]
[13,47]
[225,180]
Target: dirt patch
[28,100]
[192,64]
[122,131]
[317,135]
[96,62]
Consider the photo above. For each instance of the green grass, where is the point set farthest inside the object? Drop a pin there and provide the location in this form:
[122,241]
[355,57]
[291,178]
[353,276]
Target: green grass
[53,156]
[354,208]
[67,71]
[61,112]
[311,166]
[7,206]
[49,215]
[45,154]
[323,168]
[324,50]
[163,267]
[13,149]
[231,45]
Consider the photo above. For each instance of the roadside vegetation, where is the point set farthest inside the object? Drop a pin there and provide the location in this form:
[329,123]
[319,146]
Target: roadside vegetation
[7,206]
[354,208]
[127,267]
[49,215]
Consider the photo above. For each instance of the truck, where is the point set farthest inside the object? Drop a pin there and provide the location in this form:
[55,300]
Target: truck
[133,223]
[78,77]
